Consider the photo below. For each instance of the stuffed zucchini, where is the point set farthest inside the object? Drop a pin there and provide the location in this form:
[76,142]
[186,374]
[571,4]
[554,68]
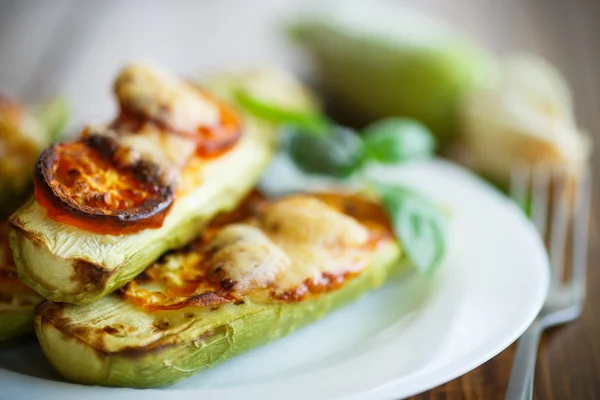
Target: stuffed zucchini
[17,301]
[23,135]
[110,203]
[241,284]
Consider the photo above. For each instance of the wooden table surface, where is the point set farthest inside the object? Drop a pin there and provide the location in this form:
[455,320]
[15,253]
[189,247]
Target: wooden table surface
[80,45]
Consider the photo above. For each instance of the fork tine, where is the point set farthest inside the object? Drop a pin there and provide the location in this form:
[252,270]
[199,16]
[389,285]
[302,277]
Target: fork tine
[540,178]
[580,234]
[562,305]
[558,238]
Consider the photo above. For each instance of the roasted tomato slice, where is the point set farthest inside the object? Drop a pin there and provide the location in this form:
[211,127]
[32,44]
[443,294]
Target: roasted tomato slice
[98,186]
[215,140]
[211,140]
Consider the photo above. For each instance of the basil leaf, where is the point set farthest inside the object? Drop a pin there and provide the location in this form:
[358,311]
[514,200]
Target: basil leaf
[395,140]
[339,153]
[417,223]
[310,122]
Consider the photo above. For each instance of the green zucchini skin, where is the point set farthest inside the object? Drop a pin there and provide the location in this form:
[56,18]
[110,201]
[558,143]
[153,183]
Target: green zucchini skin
[16,322]
[217,336]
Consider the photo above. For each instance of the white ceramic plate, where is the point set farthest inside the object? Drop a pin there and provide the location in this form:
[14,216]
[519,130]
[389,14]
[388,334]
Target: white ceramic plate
[413,334]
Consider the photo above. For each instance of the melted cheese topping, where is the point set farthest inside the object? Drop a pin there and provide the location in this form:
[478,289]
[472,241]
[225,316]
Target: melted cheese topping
[245,258]
[289,249]
[304,219]
[154,93]
[308,239]
[168,104]
[162,147]
[175,154]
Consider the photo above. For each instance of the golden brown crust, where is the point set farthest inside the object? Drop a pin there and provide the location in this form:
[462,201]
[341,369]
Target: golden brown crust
[148,96]
[88,274]
[50,314]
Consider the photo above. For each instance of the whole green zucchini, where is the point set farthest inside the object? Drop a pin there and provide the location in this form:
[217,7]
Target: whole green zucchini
[65,263]
[377,60]
[143,339]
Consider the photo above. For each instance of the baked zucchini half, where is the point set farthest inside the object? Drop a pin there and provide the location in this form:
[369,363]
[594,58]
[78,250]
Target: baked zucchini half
[23,135]
[110,203]
[238,286]
[17,301]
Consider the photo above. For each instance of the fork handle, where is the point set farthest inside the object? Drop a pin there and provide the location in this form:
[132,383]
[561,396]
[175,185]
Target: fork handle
[520,385]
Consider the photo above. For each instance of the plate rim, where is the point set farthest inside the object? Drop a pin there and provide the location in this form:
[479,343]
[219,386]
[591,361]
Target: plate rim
[451,371]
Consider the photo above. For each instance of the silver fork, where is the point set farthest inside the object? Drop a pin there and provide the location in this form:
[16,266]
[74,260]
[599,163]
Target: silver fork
[565,298]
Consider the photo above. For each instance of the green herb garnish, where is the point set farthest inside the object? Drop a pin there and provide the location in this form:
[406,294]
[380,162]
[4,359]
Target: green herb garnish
[417,223]
[340,153]
[395,140]
[314,123]
[318,146]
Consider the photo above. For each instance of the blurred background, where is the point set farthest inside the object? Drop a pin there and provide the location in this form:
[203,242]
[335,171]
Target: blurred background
[455,72]
[76,47]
